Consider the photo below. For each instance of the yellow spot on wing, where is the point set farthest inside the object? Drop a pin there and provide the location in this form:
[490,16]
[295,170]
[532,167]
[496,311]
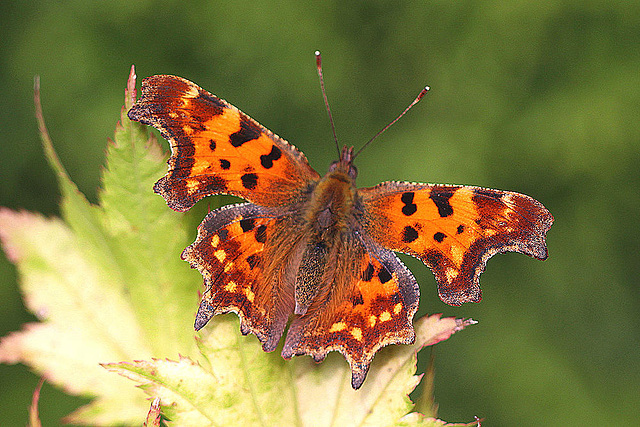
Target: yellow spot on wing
[230,287]
[385,316]
[228,266]
[397,308]
[457,253]
[215,240]
[337,327]
[220,254]
[250,295]
[192,185]
[372,321]
[451,274]
[188,130]
[357,333]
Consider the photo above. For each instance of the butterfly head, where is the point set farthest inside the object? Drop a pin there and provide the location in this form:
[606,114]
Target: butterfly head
[345,164]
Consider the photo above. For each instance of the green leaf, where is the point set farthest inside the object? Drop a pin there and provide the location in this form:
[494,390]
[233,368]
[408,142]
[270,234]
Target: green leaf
[147,238]
[84,320]
[242,384]
[107,282]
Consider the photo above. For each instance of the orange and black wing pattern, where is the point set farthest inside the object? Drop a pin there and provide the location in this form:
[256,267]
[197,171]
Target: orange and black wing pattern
[236,256]
[454,230]
[370,304]
[216,149]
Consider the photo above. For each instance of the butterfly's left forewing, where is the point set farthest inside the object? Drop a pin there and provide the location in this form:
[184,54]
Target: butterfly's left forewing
[217,149]
[454,230]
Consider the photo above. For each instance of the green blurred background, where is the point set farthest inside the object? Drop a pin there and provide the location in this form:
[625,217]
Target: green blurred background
[540,97]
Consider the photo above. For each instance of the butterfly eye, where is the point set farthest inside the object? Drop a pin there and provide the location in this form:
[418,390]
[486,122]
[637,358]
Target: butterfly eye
[344,167]
[353,171]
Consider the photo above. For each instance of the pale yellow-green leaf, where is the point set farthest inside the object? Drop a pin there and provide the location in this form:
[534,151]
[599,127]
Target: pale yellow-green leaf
[146,238]
[241,384]
[155,415]
[415,419]
[383,398]
[83,320]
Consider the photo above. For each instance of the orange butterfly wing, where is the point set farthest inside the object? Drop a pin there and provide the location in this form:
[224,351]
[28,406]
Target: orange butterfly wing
[369,305]
[242,268]
[215,148]
[454,230]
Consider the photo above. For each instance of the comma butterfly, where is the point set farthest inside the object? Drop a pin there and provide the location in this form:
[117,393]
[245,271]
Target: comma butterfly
[316,251]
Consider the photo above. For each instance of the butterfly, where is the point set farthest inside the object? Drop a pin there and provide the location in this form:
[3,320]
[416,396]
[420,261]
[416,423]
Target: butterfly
[316,252]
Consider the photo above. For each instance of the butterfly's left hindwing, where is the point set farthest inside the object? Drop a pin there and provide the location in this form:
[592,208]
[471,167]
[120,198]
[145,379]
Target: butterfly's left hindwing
[454,230]
[236,254]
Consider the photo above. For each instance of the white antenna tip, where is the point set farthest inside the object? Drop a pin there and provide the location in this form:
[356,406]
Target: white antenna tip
[317,53]
[427,88]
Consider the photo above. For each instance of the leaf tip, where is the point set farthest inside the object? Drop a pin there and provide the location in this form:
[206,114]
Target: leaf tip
[34,416]
[130,93]
[11,222]
[463,323]
[154,415]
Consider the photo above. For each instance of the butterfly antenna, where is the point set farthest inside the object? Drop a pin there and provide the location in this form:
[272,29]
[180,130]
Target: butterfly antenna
[422,93]
[326,101]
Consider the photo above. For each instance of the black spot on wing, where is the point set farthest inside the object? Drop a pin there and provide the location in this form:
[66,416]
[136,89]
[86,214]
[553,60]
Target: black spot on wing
[266,160]
[357,298]
[409,207]
[460,229]
[409,234]
[384,275]
[225,164]
[249,181]
[407,198]
[247,224]
[248,132]
[441,200]
[212,145]
[367,274]
[439,237]
[409,210]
